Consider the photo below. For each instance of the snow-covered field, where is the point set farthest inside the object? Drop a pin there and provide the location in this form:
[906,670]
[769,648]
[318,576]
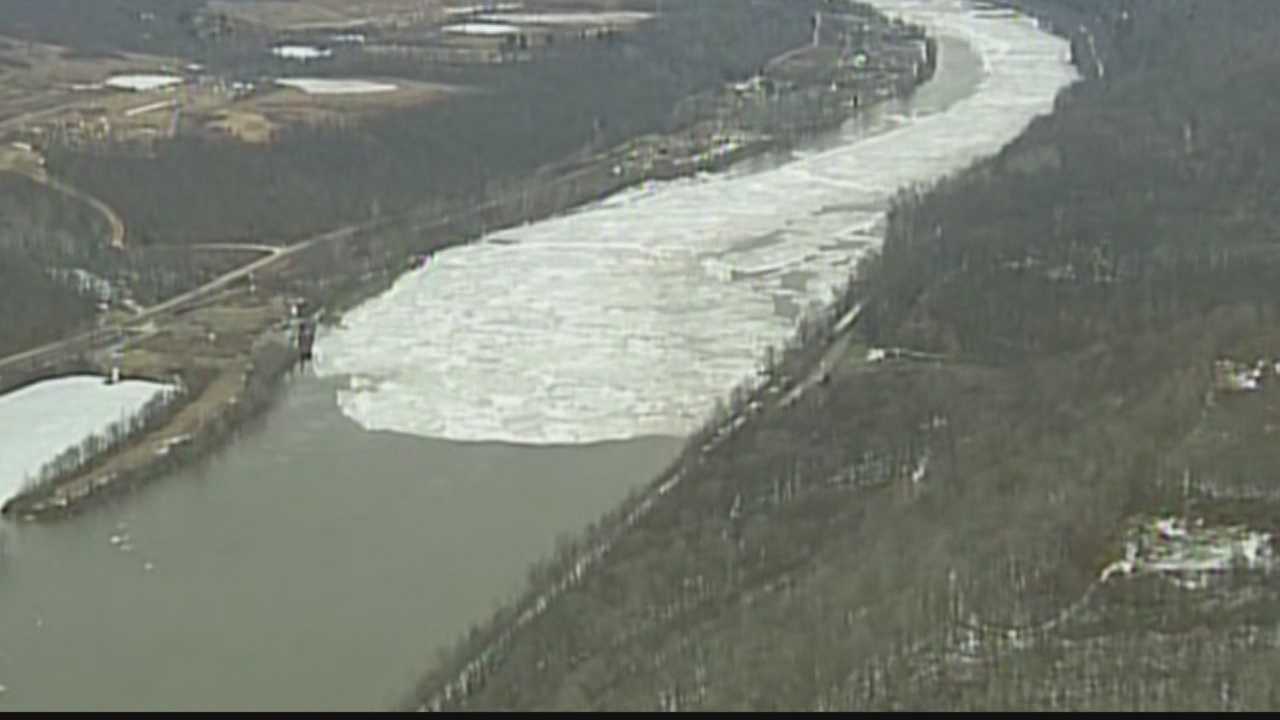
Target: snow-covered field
[38,422]
[318,86]
[142,82]
[303,53]
[630,318]
[481,29]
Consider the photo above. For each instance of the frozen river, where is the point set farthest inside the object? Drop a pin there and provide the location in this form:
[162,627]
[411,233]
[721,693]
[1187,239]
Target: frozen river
[630,318]
[317,564]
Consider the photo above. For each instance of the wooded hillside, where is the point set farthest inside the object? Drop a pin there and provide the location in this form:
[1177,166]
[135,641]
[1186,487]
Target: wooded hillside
[1072,508]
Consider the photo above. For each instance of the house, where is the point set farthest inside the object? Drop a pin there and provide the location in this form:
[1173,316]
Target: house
[1232,376]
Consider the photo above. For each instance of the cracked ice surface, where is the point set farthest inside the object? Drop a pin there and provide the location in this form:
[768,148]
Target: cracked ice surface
[633,316]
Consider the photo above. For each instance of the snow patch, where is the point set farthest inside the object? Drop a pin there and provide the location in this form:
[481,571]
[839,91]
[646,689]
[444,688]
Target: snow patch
[487,7]
[482,29]
[1189,554]
[39,422]
[142,82]
[303,53]
[318,86]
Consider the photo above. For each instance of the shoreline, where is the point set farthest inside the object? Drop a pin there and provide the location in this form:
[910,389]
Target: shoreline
[802,367]
[563,187]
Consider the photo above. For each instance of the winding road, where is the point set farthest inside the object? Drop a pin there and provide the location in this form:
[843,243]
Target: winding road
[112,218]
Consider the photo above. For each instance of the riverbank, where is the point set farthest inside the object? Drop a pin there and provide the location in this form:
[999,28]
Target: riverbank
[1084,32]
[232,349]
[801,367]
[225,398]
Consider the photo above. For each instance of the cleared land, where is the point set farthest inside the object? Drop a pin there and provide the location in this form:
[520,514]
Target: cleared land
[282,106]
[48,91]
[37,80]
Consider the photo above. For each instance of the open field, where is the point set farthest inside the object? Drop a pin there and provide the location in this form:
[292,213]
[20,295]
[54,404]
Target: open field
[56,95]
[48,90]
[38,66]
[37,79]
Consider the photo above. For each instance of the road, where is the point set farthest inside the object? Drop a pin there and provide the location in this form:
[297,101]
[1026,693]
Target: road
[236,247]
[829,358]
[78,343]
[31,166]
[113,219]
[277,254]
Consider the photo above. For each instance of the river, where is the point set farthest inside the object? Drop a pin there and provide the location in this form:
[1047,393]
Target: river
[467,417]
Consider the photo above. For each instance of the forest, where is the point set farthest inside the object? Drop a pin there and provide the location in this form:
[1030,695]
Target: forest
[56,266]
[945,533]
[37,225]
[36,308]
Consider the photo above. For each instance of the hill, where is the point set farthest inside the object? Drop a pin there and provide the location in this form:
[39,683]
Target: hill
[1066,501]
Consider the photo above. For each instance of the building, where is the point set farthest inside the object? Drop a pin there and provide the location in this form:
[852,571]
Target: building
[1232,376]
